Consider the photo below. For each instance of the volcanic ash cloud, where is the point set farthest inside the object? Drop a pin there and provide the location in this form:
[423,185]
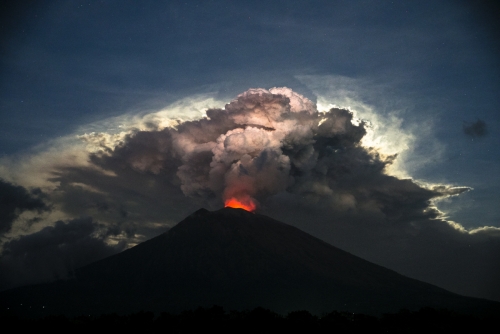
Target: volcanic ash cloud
[268,143]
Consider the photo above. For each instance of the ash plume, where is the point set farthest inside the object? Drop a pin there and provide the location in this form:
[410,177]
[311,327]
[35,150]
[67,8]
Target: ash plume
[269,143]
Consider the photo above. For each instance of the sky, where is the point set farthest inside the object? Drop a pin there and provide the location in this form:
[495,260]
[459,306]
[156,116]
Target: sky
[372,125]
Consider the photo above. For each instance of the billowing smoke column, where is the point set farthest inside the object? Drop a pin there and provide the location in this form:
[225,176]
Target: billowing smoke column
[244,154]
[270,142]
[257,146]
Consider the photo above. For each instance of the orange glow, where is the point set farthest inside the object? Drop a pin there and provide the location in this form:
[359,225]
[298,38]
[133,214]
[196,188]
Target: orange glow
[246,203]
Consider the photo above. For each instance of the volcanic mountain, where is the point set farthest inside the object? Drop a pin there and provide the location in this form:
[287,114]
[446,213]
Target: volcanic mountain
[238,260]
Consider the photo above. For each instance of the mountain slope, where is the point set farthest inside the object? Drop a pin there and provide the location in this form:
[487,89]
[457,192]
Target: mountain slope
[238,260]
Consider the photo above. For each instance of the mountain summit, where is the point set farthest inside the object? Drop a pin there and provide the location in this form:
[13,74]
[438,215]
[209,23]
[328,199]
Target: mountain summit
[238,260]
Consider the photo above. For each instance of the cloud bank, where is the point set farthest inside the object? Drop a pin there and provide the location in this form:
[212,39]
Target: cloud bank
[313,169]
[14,200]
[54,252]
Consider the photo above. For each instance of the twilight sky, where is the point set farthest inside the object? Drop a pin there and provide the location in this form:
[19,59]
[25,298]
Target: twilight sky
[101,147]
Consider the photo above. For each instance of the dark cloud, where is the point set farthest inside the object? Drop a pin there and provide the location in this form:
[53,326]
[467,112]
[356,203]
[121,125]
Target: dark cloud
[142,201]
[14,200]
[267,143]
[54,252]
[475,129]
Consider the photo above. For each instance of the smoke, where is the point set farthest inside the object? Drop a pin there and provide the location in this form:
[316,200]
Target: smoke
[267,143]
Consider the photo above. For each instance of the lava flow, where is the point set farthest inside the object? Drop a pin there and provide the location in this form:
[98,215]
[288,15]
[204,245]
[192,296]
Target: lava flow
[245,204]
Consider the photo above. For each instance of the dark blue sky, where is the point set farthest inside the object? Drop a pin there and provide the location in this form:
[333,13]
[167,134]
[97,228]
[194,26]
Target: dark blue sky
[70,63]
[428,69]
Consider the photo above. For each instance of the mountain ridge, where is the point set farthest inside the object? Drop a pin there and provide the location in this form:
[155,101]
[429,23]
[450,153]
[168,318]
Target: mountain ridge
[239,260]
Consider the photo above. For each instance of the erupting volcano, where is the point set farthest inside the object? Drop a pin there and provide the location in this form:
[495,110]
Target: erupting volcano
[245,203]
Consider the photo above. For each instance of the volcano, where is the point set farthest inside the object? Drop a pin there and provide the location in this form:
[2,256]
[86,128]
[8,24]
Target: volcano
[238,260]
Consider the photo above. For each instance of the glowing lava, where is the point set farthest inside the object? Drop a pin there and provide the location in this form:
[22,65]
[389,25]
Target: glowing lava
[246,203]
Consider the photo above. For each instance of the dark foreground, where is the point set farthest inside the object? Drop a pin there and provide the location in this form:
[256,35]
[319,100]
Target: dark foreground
[239,260]
[260,320]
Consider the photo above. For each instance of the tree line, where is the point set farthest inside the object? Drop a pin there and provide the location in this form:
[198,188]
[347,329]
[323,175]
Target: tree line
[260,320]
